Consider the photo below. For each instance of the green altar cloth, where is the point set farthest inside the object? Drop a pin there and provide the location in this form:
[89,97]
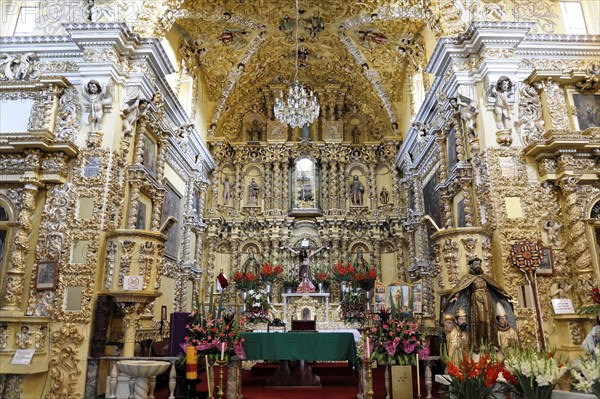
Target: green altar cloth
[300,346]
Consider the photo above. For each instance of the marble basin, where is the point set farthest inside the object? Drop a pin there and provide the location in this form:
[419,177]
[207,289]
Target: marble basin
[142,368]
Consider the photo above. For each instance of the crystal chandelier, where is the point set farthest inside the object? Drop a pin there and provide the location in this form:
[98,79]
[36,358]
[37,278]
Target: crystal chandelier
[299,109]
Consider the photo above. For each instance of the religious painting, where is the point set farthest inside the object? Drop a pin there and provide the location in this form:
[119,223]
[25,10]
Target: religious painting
[91,167]
[451,147]
[46,276]
[587,107]
[150,155]
[172,207]
[431,200]
[461,219]
[545,266]
[417,297]
[379,296]
[398,295]
[140,219]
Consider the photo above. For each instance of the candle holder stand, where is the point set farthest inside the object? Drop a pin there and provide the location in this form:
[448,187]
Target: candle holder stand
[368,364]
[221,364]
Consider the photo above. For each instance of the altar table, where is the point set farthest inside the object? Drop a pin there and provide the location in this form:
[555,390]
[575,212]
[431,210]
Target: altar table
[301,346]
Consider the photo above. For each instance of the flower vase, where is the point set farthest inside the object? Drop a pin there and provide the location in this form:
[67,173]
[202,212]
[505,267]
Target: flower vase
[368,296]
[343,287]
[268,286]
[244,297]
[320,287]
[289,289]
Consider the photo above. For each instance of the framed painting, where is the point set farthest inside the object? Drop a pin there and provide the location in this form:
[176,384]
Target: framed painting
[431,200]
[546,263]
[417,297]
[150,155]
[451,148]
[587,109]
[399,295]
[379,296]
[140,219]
[46,276]
[461,219]
[172,207]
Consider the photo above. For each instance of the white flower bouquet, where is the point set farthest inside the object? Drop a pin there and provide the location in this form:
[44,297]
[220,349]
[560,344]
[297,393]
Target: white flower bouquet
[586,372]
[536,372]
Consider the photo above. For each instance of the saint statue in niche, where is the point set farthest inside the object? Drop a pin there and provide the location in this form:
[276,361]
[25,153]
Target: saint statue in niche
[253,193]
[356,191]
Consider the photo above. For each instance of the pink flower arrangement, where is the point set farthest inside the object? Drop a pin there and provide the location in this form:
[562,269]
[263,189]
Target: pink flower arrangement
[396,341]
[209,334]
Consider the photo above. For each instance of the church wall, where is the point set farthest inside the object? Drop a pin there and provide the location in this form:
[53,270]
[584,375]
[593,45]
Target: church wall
[74,190]
[498,187]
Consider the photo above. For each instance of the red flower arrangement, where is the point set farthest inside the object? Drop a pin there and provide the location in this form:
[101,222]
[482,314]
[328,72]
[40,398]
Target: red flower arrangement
[270,273]
[366,280]
[245,281]
[472,378]
[594,307]
[343,273]
[322,277]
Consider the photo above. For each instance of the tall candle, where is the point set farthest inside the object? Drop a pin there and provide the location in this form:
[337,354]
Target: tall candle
[222,350]
[191,363]
[368,350]
[418,378]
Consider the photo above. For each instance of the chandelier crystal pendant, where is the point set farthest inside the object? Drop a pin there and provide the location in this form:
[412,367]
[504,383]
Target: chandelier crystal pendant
[300,108]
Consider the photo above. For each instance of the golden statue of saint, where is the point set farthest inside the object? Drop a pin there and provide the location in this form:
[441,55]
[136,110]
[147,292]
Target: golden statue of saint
[457,340]
[507,336]
[477,287]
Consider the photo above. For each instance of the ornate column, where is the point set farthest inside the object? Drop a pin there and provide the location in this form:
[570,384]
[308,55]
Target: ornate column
[14,279]
[285,199]
[396,193]
[325,185]
[465,184]
[577,247]
[334,203]
[372,186]
[238,196]
[134,194]
[277,186]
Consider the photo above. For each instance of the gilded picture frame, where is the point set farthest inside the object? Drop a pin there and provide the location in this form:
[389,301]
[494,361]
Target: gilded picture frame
[46,276]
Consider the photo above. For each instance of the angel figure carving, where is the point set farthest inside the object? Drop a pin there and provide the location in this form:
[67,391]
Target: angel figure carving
[552,227]
[131,112]
[97,100]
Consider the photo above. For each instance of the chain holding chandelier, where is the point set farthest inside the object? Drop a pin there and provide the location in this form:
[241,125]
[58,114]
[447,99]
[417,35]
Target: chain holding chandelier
[300,108]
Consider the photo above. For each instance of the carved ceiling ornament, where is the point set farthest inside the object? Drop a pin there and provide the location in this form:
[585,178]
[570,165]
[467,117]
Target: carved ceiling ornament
[245,38]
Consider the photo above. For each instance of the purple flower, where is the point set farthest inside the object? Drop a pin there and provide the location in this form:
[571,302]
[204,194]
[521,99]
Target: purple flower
[409,347]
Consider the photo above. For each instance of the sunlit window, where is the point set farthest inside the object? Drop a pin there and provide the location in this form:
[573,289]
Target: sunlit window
[573,16]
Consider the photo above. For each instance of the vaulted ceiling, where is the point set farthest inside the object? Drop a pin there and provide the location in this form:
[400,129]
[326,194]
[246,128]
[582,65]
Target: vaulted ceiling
[352,54]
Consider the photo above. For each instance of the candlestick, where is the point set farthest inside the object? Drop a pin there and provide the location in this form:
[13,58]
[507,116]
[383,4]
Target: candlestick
[369,380]
[222,350]
[418,378]
[220,390]
[209,382]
